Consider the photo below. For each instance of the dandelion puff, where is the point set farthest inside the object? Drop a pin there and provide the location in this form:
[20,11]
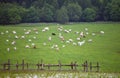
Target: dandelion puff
[22,37]
[2,33]
[90,40]
[36,32]
[33,44]
[93,34]
[74,43]
[63,46]
[27,46]
[16,37]
[78,38]
[29,40]
[14,32]
[102,32]
[44,43]
[57,49]
[15,48]
[8,49]
[13,43]
[7,40]
[86,29]
[7,31]
[24,29]
[34,37]
[87,33]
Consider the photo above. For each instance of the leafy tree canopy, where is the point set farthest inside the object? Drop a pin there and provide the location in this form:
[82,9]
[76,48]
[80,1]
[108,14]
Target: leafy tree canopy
[17,11]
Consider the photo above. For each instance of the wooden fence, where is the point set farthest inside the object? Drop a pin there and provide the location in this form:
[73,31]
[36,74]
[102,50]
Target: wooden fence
[86,67]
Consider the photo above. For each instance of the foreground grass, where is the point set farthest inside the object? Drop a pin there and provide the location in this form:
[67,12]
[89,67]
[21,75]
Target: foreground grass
[57,74]
[104,48]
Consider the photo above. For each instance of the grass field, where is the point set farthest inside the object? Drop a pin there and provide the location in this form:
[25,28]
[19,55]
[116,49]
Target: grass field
[104,48]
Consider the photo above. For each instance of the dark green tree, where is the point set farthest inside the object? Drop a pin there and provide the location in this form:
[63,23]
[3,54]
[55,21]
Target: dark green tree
[9,13]
[74,11]
[38,3]
[62,16]
[100,5]
[17,11]
[115,10]
[14,16]
[61,2]
[88,15]
[31,15]
[84,3]
[3,14]
[55,4]
[112,11]
[46,14]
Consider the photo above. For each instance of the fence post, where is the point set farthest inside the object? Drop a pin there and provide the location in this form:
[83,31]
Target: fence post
[42,65]
[23,64]
[75,64]
[59,62]
[27,66]
[97,67]
[8,64]
[4,66]
[17,65]
[72,65]
[83,67]
[86,66]
[48,66]
[38,66]
[90,67]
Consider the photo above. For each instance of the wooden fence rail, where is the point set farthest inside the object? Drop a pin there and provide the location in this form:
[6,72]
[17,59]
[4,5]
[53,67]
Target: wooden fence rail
[87,67]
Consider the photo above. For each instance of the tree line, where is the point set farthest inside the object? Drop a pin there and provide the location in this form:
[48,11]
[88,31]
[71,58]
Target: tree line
[62,11]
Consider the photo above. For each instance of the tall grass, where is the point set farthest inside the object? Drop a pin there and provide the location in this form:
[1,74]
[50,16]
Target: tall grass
[57,74]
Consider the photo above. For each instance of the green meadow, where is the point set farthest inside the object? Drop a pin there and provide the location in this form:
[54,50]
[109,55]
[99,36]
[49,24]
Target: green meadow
[104,48]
